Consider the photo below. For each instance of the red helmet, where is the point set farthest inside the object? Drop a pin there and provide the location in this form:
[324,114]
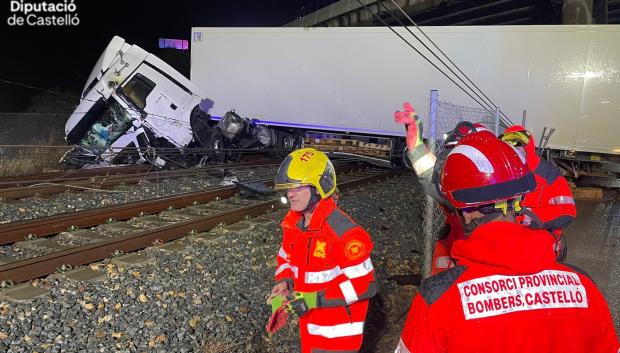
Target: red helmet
[482,169]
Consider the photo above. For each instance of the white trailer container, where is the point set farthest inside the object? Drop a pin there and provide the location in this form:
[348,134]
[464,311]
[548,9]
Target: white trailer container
[348,80]
[352,79]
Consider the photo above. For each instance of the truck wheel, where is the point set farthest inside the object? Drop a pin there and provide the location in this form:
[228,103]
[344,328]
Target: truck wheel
[285,144]
[299,140]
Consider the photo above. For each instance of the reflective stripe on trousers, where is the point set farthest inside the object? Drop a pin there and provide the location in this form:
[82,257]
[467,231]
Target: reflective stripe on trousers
[342,330]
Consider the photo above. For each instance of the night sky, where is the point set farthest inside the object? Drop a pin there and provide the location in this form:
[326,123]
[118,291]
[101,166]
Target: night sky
[61,57]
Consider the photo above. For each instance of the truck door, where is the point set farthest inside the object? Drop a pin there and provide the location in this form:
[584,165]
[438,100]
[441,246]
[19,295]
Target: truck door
[179,126]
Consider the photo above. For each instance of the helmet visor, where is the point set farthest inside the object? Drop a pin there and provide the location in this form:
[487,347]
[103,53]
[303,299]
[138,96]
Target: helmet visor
[282,180]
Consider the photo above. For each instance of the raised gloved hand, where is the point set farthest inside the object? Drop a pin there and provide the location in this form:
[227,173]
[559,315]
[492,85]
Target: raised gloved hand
[413,124]
[405,116]
[300,303]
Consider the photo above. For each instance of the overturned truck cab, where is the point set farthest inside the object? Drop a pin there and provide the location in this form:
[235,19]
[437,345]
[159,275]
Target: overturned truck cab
[137,109]
[134,108]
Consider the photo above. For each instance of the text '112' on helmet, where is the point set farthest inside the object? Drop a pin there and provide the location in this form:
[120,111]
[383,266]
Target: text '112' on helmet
[307,166]
[481,169]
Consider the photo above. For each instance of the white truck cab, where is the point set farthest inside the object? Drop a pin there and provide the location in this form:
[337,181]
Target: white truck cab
[133,103]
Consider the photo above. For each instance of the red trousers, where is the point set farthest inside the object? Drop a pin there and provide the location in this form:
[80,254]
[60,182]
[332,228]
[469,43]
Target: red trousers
[337,329]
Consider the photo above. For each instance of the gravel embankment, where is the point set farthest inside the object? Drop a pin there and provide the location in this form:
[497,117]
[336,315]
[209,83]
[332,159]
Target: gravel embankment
[211,298]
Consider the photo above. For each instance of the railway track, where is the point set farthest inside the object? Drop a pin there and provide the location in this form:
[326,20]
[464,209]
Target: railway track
[35,229]
[25,180]
[221,207]
[39,185]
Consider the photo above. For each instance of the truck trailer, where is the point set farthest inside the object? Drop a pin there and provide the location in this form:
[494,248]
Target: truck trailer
[349,79]
[293,85]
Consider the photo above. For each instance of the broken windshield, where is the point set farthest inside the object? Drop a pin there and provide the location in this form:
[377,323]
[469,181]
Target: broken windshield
[111,122]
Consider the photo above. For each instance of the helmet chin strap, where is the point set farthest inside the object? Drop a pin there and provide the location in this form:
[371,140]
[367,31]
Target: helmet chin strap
[313,202]
[500,208]
[475,223]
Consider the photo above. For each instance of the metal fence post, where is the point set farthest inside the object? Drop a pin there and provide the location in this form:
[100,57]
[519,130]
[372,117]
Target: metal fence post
[434,101]
[497,121]
[524,117]
[429,203]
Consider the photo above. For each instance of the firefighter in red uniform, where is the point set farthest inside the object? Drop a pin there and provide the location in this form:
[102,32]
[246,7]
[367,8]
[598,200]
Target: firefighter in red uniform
[427,166]
[323,267]
[507,293]
[551,206]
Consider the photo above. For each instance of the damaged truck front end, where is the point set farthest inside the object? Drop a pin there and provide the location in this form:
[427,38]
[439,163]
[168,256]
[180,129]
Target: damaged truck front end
[134,109]
[137,109]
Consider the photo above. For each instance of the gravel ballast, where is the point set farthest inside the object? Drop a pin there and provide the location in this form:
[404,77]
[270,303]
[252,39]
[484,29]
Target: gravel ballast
[35,207]
[211,297]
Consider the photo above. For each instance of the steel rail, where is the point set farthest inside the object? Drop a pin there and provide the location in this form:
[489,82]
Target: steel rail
[15,193]
[117,172]
[44,226]
[31,268]
[10,181]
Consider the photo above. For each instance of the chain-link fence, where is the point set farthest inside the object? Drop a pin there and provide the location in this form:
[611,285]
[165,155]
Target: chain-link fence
[31,142]
[442,117]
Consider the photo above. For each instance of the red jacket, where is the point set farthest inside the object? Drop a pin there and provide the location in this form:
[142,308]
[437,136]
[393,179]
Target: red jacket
[551,206]
[332,250]
[332,257]
[508,294]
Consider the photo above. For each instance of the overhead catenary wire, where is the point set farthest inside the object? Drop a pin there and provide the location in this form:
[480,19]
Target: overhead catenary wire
[445,55]
[490,104]
[34,87]
[483,104]
[422,55]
